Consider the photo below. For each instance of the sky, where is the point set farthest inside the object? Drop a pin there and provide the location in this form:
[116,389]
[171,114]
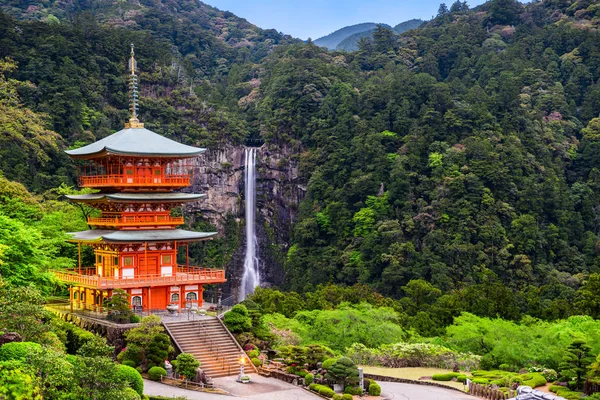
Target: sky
[316,18]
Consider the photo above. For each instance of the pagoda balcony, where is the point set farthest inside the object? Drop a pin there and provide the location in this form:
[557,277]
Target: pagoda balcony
[124,181]
[182,276]
[137,221]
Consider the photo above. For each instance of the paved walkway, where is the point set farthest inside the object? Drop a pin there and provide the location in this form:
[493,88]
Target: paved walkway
[260,388]
[406,391]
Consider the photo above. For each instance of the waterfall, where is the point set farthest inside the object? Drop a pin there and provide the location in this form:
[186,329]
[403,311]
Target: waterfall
[251,277]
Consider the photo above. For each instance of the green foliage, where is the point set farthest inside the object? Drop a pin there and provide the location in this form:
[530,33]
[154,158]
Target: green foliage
[326,391]
[445,377]
[17,351]
[155,373]
[308,378]
[575,362]
[328,363]
[343,371]
[237,319]
[147,345]
[374,389]
[98,378]
[17,382]
[132,377]
[347,396]
[118,307]
[186,365]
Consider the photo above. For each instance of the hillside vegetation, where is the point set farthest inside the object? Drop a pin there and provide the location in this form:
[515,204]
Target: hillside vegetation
[462,155]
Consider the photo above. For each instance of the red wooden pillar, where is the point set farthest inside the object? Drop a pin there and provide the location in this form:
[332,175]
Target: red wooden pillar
[181,293]
[149,301]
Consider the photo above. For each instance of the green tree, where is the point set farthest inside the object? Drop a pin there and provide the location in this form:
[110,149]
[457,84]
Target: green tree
[575,362]
[186,365]
[237,319]
[343,371]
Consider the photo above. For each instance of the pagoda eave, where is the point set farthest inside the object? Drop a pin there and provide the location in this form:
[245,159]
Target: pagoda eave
[96,236]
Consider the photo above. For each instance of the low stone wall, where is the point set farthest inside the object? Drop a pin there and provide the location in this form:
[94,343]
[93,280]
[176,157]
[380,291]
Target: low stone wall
[382,378]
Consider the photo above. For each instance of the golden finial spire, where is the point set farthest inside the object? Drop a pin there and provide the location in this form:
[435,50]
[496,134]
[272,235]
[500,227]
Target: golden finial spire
[134,122]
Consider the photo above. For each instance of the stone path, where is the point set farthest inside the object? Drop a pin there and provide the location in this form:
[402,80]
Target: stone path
[260,388]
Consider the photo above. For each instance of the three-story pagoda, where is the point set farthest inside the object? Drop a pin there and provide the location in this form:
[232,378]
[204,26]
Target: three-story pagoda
[136,240]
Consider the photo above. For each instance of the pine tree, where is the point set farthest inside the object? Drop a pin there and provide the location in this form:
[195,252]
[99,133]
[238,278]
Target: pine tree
[575,362]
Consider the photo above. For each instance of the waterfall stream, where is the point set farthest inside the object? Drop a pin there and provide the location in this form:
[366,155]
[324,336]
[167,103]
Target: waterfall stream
[251,277]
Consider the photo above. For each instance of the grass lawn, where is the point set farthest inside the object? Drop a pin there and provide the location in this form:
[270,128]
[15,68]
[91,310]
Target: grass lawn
[412,373]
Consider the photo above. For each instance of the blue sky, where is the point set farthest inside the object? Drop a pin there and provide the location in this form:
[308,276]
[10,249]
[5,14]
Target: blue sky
[316,18]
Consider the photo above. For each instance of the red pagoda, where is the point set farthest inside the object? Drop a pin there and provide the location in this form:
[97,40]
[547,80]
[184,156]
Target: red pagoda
[136,239]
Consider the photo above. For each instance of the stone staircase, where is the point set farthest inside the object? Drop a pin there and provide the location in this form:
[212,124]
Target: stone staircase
[212,344]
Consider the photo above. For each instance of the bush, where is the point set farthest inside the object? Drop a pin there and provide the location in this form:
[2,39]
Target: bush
[129,363]
[187,365]
[132,377]
[134,319]
[253,353]
[461,378]
[130,394]
[328,363]
[256,362]
[155,373]
[481,381]
[533,379]
[133,353]
[308,378]
[346,396]
[312,386]
[445,377]
[237,319]
[17,350]
[353,390]
[504,367]
[337,397]
[326,391]
[374,389]
[565,392]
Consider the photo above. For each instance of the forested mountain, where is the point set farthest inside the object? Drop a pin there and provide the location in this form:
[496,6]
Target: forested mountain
[332,40]
[351,42]
[462,156]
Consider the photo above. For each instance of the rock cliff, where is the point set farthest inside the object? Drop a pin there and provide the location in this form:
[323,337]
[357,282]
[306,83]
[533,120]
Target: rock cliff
[220,174]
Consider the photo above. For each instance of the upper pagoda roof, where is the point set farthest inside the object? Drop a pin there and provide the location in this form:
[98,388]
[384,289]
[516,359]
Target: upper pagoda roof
[136,141]
[155,235]
[135,197]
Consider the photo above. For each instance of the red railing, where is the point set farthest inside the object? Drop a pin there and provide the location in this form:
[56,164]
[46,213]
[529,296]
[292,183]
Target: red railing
[134,180]
[183,275]
[137,220]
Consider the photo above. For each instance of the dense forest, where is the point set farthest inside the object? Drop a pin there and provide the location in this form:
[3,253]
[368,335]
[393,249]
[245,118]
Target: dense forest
[455,163]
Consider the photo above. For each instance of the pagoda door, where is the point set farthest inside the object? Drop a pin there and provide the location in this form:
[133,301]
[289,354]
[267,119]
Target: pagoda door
[150,267]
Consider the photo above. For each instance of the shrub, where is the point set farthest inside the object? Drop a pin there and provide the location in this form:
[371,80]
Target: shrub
[237,319]
[133,353]
[343,371]
[253,353]
[326,391]
[374,389]
[17,350]
[445,377]
[328,363]
[565,392]
[129,363]
[155,373]
[533,379]
[134,319]
[186,365]
[504,367]
[308,378]
[130,394]
[311,386]
[481,381]
[352,390]
[461,378]
[132,377]
[337,397]
[256,362]
[346,396]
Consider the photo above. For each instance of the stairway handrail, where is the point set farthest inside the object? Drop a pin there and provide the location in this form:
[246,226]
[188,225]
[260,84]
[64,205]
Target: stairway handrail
[212,343]
[238,345]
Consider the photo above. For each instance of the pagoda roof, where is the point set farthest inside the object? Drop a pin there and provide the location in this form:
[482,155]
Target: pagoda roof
[135,197]
[158,235]
[136,141]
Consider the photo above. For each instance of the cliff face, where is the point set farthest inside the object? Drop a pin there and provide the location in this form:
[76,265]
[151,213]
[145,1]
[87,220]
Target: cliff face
[220,174]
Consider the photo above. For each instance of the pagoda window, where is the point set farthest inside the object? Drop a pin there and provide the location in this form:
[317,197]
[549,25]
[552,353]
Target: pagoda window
[82,296]
[136,301]
[128,273]
[174,297]
[128,261]
[166,259]
[191,296]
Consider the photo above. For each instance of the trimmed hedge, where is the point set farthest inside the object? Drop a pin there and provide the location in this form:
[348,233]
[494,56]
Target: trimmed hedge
[565,392]
[374,389]
[481,381]
[533,379]
[309,378]
[346,396]
[337,397]
[445,377]
[353,390]
[132,377]
[322,389]
[155,373]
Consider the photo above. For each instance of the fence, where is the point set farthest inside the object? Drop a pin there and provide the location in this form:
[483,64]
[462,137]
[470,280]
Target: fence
[489,393]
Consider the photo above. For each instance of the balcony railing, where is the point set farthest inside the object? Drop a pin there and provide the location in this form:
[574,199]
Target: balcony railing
[137,220]
[121,180]
[182,275]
